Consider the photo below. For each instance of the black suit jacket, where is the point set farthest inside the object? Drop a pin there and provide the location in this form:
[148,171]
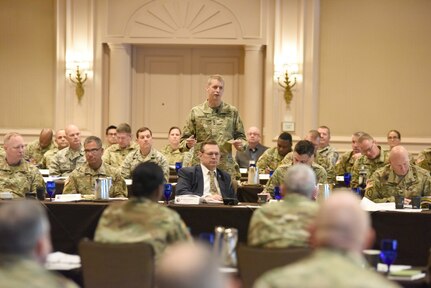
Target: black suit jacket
[243,157]
[191,181]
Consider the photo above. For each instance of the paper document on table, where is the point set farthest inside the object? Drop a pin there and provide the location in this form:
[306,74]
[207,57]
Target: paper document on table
[67,197]
[369,205]
[394,268]
[62,261]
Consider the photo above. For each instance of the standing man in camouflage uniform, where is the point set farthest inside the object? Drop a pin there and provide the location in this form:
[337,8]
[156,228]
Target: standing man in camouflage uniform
[424,159]
[116,153]
[82,180]
[25,244]
[272,157]
[215,120]
[142,219]
[326,150]
[17,175]
[398,178]
[340,232]
[61,143]
[66,160]
[35,150]
[303,153]
[146,152]
[372,158]
[285,224]
[345,162]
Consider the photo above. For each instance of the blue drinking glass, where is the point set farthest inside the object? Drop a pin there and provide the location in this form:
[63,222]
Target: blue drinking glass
[347,179]
[271,172]
[167,192]
[388,252]
[178,166]
[207,238]
[277,194]
[50,189]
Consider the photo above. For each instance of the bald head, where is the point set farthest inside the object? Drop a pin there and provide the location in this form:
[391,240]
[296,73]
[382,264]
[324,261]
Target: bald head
[253,136]
[198,268]
[45,137]
[342,224]
[399,160]
[73,137]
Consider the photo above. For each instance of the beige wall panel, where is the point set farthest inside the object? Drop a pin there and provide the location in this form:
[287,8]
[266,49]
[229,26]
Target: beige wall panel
[374,69]
[27,57]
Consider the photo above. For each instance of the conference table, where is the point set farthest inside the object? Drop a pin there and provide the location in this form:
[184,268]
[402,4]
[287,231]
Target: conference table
[70,222]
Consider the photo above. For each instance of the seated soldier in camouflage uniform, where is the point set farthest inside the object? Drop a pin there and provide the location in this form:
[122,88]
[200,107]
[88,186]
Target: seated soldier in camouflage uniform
[285,223]
[345,162]
[399,177]
[83,179]
[116,153]
[272,157]
[110,136]
[172,151]
[340,232]
[146,152]
[25,244]
[66,160]
[142,219]
[17,175]
[61,143]
[325,150]
[373,158]
[35,150]
[424,159]
[314,137]
[303,153]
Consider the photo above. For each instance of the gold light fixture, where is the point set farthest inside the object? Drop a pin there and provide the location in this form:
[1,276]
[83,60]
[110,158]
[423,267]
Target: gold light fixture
[286,83]
[78,81]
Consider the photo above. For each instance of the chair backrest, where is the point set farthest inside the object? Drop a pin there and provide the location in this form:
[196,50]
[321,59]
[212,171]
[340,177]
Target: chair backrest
[254,261]
[117,265]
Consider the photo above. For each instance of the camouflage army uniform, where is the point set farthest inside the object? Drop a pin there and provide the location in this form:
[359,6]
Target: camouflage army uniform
[369,165]
[279,173]
[2,152]
[330,153]
[270,160]
[141,220]
[282,224]
[188,157]
[135,157]
[221,124]
[424,159]
[345,163]
[20,272]
[384,184]
[34,153]
[65,161]
[19,179]
[114,155]
[172,156]
[325,268]
[47,158]
[83,179]
[318,159]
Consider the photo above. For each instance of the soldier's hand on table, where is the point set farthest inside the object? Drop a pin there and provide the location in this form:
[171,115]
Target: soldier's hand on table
[191,142]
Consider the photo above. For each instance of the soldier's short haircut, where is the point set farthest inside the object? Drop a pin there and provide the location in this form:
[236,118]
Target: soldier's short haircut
[304,147]
[172,128]
[358,134]
[93,139]
[8,136]
[285,136]
[301,179]
[109,128]
[364,137]
[124,128]
[208,142]
[22,223]
[327,128]
[396,132]
[215,77]
[314,134]
[143,129]
[146,178]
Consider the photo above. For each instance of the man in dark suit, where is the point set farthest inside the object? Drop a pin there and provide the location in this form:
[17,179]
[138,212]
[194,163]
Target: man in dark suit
[205,179]
[252,151]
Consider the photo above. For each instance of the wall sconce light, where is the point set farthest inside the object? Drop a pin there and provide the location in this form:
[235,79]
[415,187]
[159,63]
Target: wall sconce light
[77,69]
[287,84]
